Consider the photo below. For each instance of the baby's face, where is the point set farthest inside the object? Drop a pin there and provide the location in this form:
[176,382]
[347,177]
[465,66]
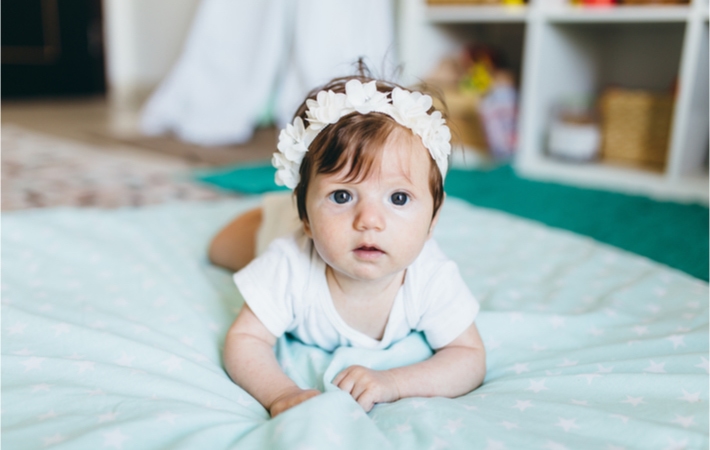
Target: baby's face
[374,228]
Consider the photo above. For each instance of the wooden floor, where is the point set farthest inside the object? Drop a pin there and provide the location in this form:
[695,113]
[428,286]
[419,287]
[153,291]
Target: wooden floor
[95,121]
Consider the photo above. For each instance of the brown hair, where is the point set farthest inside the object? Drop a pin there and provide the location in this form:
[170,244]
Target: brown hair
[355,140]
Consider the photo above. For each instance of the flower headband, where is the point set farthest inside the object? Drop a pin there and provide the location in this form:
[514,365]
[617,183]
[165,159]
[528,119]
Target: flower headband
[407,108]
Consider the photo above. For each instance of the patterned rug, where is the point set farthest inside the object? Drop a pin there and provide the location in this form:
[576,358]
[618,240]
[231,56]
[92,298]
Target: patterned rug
[40,171]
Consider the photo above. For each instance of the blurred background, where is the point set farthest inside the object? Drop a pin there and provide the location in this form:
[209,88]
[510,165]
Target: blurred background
[609,94]
[587,115]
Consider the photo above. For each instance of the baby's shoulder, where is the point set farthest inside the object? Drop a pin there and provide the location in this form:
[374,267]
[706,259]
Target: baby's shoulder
[431,258]
[295,245]
[434,280]
[433,271]
[287,256]
[282,269]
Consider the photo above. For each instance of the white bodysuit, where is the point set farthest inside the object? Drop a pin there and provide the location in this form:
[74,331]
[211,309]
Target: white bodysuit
[286,288]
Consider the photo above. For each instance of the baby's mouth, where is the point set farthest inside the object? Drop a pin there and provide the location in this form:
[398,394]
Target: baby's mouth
[368,251]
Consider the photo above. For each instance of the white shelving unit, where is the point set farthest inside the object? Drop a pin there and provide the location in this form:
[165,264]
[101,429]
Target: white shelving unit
[571,51]
[481,14]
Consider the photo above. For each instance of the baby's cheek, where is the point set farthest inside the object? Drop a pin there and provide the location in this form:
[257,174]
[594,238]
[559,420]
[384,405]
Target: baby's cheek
[412,221]
[327,248]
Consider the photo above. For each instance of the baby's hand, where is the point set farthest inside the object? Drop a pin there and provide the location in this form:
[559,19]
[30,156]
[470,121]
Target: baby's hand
[290,399]
[368,386]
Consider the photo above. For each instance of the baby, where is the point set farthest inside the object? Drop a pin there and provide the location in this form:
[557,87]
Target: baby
[366,160]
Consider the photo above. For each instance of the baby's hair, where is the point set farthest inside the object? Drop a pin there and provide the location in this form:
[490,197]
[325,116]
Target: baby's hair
[354,140]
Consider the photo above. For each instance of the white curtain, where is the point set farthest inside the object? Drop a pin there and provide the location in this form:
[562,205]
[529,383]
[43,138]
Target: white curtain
[242,55]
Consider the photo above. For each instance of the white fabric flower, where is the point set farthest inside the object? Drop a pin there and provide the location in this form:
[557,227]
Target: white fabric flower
[437,136]
[291,141]
[326,109]
[287,172]
[365,98]
[409,107]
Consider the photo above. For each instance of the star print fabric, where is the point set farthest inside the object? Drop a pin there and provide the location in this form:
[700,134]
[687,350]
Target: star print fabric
[113,324]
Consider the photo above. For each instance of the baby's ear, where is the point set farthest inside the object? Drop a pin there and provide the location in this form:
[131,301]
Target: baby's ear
[435,219]
[307,228]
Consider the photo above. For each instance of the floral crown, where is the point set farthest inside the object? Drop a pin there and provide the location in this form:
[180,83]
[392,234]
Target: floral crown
[406,108]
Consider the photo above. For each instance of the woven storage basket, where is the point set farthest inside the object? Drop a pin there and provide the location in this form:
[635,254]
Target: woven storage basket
[636,126]
[463,118]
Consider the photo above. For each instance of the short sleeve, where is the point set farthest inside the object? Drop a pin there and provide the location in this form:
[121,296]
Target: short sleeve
[269,283]
[448,306]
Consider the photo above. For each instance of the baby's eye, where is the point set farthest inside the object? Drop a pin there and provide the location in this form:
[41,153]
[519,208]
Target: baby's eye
[399,198]
[341,197]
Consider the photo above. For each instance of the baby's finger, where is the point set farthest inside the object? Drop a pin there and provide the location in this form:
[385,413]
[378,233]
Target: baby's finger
[341,376]
[346,384]
[366,401]
[358,389]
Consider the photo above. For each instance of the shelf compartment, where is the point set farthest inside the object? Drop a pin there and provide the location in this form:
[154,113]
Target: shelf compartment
[574,60]
[583,59]
[507,37]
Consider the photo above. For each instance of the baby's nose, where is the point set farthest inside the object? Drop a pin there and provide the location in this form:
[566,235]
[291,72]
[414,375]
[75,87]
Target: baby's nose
[369,216]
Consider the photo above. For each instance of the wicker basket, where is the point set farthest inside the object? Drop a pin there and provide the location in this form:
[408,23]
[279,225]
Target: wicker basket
[464,119]
[636,127]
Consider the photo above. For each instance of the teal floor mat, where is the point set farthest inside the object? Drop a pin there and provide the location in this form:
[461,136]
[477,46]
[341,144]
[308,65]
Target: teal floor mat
[671,233]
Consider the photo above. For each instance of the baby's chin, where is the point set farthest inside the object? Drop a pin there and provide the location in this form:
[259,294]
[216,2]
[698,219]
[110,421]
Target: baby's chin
[365,273]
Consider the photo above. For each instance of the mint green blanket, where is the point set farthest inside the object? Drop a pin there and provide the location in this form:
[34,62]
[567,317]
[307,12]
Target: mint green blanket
[113,322]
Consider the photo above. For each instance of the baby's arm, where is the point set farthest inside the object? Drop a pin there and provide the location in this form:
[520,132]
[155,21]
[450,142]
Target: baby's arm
[235,245]
[454,370]
[250,361]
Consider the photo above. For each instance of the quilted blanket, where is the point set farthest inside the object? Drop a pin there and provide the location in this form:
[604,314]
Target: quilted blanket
[113,323]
